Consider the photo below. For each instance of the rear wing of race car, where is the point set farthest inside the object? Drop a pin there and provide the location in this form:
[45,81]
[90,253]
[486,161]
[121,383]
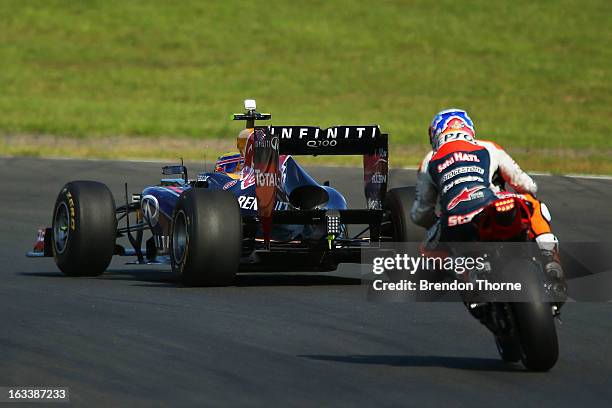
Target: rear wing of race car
[272,141]
[342,140]
[336,140]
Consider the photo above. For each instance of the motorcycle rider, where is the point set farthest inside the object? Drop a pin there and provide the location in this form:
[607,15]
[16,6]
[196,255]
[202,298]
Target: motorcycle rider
[459,174]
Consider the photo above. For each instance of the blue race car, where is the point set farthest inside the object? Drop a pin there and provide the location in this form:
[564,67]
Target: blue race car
[258,211]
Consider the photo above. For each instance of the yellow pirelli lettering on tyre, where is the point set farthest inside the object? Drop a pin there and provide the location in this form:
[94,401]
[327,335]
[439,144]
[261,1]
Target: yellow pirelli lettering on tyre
[72,211]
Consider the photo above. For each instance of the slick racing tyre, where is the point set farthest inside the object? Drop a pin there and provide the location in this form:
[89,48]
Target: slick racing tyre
[206,237]
[508,349]
[84,228]
[534,321]
[399,227]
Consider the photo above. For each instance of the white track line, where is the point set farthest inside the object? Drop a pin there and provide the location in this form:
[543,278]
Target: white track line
[535,173]
[572,175]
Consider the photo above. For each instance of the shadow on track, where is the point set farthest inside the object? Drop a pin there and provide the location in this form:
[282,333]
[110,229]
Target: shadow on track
[43,274]
[460,363]
[293,280]
[142,275]
[164,278]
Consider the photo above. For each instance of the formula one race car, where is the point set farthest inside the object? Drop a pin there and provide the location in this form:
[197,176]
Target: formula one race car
[269,216]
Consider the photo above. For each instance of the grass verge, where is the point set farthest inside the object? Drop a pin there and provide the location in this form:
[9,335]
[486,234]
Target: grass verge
[534,75]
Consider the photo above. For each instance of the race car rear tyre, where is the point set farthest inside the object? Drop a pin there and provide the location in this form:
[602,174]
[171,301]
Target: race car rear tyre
[400,227]
[84,228]
[206,237]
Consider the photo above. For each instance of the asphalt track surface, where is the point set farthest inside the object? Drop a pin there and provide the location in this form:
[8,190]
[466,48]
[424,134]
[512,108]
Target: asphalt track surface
[135,336]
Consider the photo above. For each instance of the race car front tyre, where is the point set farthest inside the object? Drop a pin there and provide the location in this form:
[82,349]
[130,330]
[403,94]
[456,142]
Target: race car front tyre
[206,237]
[84,228]
[398,226]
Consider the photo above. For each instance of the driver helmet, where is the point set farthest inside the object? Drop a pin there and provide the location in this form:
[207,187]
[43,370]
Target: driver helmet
[230,162]
[241,141]
[450,121]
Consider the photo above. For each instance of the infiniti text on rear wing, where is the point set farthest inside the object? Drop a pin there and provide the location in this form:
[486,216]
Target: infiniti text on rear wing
[337,140]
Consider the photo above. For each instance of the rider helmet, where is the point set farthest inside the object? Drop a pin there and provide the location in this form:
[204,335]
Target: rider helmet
[450,121]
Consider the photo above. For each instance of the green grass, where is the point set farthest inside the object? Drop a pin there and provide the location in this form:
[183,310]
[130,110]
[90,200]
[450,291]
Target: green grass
[532,74]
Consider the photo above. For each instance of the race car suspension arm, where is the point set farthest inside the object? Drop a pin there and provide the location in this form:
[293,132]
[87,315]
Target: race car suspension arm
[136,242]
[366,229]
[133,228]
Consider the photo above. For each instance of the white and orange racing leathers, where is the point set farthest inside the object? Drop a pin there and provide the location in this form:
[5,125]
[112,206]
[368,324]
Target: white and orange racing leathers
[458,176]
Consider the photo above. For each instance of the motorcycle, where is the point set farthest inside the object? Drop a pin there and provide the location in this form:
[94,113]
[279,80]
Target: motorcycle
[523,327]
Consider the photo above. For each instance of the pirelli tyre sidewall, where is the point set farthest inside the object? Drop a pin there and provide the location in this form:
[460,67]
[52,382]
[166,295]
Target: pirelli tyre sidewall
[84,228]
[206,237]
[398,202]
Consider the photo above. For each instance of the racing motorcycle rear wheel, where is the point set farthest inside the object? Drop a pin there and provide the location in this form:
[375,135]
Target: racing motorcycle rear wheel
[84,228]
[509,350]
[535,326]
[538,335]
[206,237]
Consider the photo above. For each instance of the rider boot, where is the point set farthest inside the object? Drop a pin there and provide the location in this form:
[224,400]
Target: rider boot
[555,276]
[552,267]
